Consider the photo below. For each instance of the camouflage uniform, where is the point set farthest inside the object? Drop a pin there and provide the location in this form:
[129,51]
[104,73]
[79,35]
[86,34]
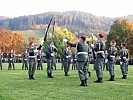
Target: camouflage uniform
[82,59]
[100,55]
[32,51]
[67,60]
[112,53]
[39,60]
[124,60]
[25,60]
[50,56]
[11,60]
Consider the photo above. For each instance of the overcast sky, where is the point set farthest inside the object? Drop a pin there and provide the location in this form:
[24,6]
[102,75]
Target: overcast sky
[108,8]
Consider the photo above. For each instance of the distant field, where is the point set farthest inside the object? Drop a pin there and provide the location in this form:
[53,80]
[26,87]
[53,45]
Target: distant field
[14,85]
[39,33]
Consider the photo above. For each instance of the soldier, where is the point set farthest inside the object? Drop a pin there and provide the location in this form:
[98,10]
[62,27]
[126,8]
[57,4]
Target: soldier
[11,56]
[74,66]
[25,60]
[99,49]
[124,60]
[82,58]
[1,57]
[112,53]
[39,60]
[67,59]
[32,51]
[50,56]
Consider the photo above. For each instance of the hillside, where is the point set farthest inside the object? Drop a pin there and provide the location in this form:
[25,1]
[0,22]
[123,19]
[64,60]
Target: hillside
[74,21]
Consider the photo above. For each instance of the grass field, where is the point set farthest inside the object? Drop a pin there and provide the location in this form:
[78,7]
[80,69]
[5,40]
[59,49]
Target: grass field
[14,85]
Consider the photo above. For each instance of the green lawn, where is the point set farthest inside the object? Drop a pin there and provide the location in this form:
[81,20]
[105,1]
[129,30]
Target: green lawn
[14,85]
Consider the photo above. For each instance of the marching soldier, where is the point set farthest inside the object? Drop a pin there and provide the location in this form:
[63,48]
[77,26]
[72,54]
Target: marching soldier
[11,56]
[112,53]
[67,59]
[25,60]
[1,57]
[32,51]
[99,49]
[82,58]
[124,60]
[39,60]
[50,56]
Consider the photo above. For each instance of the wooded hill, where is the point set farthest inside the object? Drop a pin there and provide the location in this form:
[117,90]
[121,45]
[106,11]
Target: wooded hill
[74,21]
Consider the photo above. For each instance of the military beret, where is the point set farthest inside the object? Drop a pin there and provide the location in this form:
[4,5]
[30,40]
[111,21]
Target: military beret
[67,45]
[30,43]
[83,37]
[123,43]
[100,35]
[113,41]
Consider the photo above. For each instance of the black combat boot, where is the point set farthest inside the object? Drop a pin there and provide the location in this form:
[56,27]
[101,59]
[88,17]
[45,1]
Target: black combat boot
[111,78]
[86,82]
[82,83]
[124,77]
[99,80]
[32,77]
[66,74]
[51,75]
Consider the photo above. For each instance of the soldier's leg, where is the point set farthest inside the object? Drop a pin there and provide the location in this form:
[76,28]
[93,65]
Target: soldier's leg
[86,72]
[9,65]
[122,69]
[80,66]
[66,68]
[26,65]
[125,70]
[48,67]
[99,73]
[41,66]
[30,68]
[111,70]
[33,68]
[13,65]
[23,65]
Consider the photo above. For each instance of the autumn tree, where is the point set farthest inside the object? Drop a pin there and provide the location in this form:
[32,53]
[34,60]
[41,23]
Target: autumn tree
[10,40]
[122,31]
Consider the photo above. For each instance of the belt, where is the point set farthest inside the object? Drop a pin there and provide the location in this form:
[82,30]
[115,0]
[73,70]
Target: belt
[100,52]
[112,56]
[82,53]
[32,56]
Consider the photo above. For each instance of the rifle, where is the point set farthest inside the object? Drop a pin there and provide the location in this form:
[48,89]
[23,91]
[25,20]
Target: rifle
[93,52]
[53,30]
[46,32]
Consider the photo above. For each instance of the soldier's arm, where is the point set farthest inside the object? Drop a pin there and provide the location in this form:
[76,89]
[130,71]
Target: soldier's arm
[71,44]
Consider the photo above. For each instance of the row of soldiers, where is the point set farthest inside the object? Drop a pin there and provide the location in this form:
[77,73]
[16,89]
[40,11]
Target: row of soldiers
[82,58]
[98,51]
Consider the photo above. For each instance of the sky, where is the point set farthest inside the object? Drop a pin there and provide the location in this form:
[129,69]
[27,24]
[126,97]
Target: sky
[107,8]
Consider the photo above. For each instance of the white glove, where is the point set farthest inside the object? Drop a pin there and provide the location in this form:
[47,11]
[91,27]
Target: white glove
[120,63]
[52,54]
[106,60]
[35,50]
[53,46]
[67,57]
[92,45]
[65,40]
[41,42]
